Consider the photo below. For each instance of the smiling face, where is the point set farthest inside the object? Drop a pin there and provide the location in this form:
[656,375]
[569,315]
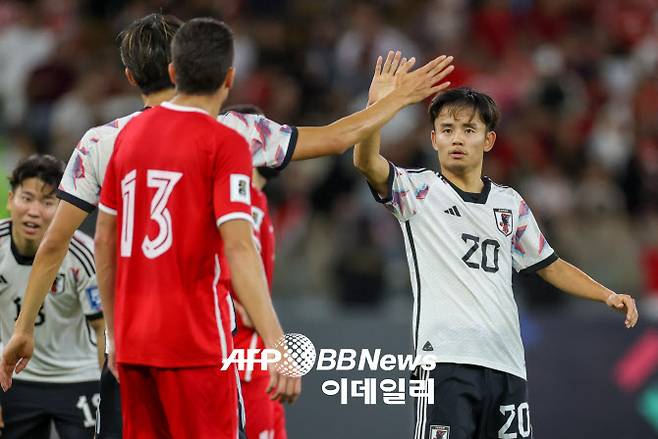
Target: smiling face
[461,138]
[32,206]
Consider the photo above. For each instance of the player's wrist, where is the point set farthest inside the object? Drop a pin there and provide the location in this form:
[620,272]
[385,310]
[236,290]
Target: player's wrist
[24,326]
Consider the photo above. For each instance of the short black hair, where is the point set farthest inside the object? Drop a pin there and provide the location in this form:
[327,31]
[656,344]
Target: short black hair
[266,172]
[202,53]
[45,167]
[146,50]
[464,97]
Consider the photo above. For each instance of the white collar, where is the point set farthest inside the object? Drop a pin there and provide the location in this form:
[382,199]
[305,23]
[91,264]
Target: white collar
[172,106]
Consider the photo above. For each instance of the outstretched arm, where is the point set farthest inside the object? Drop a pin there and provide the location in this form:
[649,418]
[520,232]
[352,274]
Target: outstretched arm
[407,88]
[571,280]
[367,157]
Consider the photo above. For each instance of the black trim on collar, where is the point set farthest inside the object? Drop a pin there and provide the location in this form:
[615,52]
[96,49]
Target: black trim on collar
[541,264]
[20,259]
[292,144]
[389,185]
[471,197]
[77,202]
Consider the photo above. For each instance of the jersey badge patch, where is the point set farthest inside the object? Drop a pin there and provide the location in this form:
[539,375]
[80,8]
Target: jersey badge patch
[439,432]
[58,284]
[94,298]
[240,189]
[504,221]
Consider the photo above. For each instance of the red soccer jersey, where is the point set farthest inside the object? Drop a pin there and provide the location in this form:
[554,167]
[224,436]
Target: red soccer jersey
[248,338]
[175,176]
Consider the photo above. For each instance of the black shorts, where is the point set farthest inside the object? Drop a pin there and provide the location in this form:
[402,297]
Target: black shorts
[29,408]
[108,417]
[472,402]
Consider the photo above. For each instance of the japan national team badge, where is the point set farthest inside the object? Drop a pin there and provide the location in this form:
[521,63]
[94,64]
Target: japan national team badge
[504,221]
[58,285]
[439,432]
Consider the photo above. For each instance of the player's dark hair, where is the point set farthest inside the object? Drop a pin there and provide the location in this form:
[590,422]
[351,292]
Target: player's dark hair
[42,166]
[464,97]
[146,50]
[202,53]
[264,171]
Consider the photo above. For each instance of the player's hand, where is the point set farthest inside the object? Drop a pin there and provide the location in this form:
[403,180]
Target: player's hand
[246,320]
[624,304]
[383,79]
[425,81]
[112,363]
[15,356]
[284,388]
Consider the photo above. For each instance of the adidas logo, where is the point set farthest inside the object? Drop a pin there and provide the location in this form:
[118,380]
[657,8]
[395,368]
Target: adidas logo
[453,211]
[428,347]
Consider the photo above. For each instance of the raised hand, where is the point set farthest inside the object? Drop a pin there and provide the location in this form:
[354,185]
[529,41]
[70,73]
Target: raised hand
[383,79]
[417,85]
[15,356]
[624,304]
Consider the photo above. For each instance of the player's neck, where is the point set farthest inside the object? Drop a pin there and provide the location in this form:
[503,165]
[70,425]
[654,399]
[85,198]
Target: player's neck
[209,103]
[25,247]
[155,99]
[468,181]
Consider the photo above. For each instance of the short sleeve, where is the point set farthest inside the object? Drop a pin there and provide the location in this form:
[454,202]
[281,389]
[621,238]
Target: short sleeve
[530,250]
[109,191]
[80,183]
[84,276]
[232,180]
[407,190]
[270,143]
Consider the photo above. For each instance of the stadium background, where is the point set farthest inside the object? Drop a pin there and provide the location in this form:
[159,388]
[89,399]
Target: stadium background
[577,82]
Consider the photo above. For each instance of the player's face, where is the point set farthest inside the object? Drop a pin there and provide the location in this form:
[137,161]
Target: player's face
[461,138]
[32,207]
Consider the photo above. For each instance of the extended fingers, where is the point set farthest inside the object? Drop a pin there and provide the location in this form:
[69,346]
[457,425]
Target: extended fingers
[395,63]
[405,65]
[388,62]
[632,314]
[378,66]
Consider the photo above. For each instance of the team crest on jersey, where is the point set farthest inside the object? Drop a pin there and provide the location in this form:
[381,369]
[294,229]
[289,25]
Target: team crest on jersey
[504,221]
[58,285]
[439,432]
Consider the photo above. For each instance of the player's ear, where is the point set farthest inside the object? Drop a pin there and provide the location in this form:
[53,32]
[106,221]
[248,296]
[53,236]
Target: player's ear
[10,200]
[130,77]
[489,141]
[230,76]
[172,72]
[433,137]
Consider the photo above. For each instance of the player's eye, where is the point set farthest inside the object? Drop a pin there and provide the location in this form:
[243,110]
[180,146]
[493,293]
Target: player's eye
[470,130]
[446,130]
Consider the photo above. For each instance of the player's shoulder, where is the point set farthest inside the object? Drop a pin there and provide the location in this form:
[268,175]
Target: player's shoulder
[503,191]
[417,173]
[81,252]
[5,229]
[106,133]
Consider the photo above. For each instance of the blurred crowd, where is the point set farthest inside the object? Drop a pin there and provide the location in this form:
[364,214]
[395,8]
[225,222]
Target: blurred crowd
[576,81]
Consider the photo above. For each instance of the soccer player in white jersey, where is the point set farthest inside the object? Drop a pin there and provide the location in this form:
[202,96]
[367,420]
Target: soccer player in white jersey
[145,54]
[61,382]
[464,234]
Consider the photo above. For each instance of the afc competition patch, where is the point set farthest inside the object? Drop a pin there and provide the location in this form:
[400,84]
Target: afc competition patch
[240,191]
[94,298]
[439,432]
[504,221]
[58,284]
[258,216]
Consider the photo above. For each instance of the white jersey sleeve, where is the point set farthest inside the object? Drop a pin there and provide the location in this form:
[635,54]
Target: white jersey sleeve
[85,171]
[86,285]
[271,144]
[407,191]
[530,250]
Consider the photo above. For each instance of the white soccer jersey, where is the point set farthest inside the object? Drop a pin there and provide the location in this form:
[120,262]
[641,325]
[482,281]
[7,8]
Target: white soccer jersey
[64,343]
[461,249]
[271,145]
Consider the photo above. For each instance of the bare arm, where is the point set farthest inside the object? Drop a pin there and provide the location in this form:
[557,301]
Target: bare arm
[250,286]
[336,138]
[106,254]
[367,157]
[98,325]
[572,280]
[50,254]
